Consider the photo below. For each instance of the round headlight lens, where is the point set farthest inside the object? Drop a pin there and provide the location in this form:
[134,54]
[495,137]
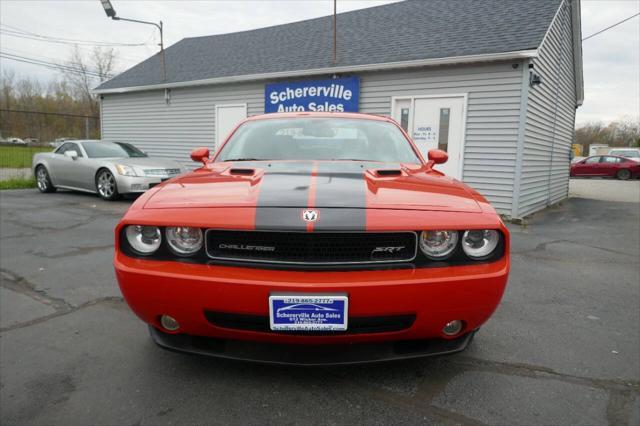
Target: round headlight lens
[143,239]
[479,244]
[184,240]
[438,244]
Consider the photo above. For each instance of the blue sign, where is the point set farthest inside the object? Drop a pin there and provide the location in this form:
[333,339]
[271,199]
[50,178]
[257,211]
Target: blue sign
[308,312]
[334,95]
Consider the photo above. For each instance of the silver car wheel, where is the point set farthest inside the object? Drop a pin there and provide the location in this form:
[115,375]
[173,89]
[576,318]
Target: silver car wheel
[41,179]
[106,184]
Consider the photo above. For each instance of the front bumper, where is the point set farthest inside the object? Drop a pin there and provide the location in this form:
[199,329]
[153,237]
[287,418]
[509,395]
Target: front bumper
[432,296]
[309,355]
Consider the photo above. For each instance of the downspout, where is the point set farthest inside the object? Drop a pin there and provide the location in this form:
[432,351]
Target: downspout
[101,120]
[522,121]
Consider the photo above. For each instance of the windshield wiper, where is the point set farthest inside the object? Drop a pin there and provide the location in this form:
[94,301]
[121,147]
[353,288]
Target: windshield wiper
[247,159]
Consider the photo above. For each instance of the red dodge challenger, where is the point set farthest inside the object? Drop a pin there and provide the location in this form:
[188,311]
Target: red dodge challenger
[313,238]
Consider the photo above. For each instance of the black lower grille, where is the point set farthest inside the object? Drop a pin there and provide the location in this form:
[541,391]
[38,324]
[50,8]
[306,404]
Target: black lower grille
[356,325]
[319,248]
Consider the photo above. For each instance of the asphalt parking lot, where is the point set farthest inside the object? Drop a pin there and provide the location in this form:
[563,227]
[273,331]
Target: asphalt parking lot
[563,347]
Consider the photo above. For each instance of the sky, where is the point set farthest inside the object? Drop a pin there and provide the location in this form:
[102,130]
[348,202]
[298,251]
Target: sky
[611,59]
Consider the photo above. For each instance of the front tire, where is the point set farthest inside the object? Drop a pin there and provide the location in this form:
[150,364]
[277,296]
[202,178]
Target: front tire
[623,174]
[43,180]
[106,185]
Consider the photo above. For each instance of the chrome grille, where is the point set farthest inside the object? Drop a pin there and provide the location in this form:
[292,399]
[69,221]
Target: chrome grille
[161,172]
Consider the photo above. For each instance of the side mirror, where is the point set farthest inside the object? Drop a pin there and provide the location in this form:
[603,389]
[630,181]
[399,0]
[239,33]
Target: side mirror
[200,155]
[438,156]
[71,154]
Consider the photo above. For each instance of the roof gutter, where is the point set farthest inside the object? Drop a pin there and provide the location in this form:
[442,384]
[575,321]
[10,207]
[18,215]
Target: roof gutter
[520,54]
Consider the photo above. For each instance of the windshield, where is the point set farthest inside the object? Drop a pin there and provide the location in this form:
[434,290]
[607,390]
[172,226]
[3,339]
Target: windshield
[318,139]
[112,150]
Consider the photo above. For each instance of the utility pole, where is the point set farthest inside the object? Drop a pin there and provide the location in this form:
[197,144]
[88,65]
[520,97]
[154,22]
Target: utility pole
[111,13]
[335,32]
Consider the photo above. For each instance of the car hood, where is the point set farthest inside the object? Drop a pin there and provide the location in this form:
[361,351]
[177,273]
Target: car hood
[338,184]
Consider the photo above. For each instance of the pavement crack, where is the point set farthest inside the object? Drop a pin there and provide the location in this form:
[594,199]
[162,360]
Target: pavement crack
[41,228]
[413,404]
[62,313]
[543,246]
[15,282]
[537,372]
[77,251]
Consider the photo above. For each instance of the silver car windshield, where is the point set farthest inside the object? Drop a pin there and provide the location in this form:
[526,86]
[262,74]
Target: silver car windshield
[318,139]
[112,150]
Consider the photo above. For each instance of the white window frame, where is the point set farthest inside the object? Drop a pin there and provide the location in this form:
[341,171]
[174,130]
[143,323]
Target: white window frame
[465,105]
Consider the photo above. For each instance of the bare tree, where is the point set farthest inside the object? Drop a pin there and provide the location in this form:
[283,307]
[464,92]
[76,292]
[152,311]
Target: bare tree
[623,132]
[88,73]
[7,82]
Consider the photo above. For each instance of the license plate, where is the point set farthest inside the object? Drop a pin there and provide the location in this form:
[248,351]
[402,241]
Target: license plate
[309,312]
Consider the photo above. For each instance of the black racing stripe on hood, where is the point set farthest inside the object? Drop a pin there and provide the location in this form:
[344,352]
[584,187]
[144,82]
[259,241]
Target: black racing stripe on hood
[284,194]
[341,196]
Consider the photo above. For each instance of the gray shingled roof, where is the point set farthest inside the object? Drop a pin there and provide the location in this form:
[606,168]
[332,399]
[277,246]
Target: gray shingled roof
[405,31]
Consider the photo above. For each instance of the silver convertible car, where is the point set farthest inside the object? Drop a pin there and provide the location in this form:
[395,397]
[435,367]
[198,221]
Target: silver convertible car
[106,168]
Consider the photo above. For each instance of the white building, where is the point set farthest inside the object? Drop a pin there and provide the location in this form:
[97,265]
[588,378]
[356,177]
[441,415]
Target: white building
[494,82]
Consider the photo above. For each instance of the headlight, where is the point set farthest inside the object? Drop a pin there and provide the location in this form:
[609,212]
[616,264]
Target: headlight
[125,170]
[184,240]
[478,244]
[143,239]
[438,244]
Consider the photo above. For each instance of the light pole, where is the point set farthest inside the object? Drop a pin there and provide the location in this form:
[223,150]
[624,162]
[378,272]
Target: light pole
[111,13]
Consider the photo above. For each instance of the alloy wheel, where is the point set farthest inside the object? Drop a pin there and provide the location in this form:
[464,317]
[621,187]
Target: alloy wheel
[42,179]
[106,184]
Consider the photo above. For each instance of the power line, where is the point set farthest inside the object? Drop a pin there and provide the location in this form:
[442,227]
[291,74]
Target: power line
[608,28]
[58,67]
[48,113]
[26,37]
[84,49]
[15,32]
[17,52]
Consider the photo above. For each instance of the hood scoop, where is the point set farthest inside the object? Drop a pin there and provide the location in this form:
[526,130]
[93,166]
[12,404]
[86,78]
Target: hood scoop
[241,172]
[389,172]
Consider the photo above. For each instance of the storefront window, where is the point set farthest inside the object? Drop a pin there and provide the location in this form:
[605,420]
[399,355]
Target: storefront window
[404,119]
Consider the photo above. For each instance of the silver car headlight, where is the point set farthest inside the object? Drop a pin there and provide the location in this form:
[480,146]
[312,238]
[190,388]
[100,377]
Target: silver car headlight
[479,244]
[143,239]
[438,244]
[125,170]
[184,240]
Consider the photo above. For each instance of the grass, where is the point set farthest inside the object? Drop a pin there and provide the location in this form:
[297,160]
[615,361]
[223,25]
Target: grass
[19,156]
[17,183]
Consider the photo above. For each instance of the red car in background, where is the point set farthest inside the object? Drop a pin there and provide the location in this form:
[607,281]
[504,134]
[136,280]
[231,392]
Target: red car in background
[606,166]
[313,238]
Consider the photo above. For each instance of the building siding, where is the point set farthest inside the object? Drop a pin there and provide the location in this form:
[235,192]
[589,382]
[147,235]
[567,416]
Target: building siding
[492,117]
[550,119]
[187,121]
